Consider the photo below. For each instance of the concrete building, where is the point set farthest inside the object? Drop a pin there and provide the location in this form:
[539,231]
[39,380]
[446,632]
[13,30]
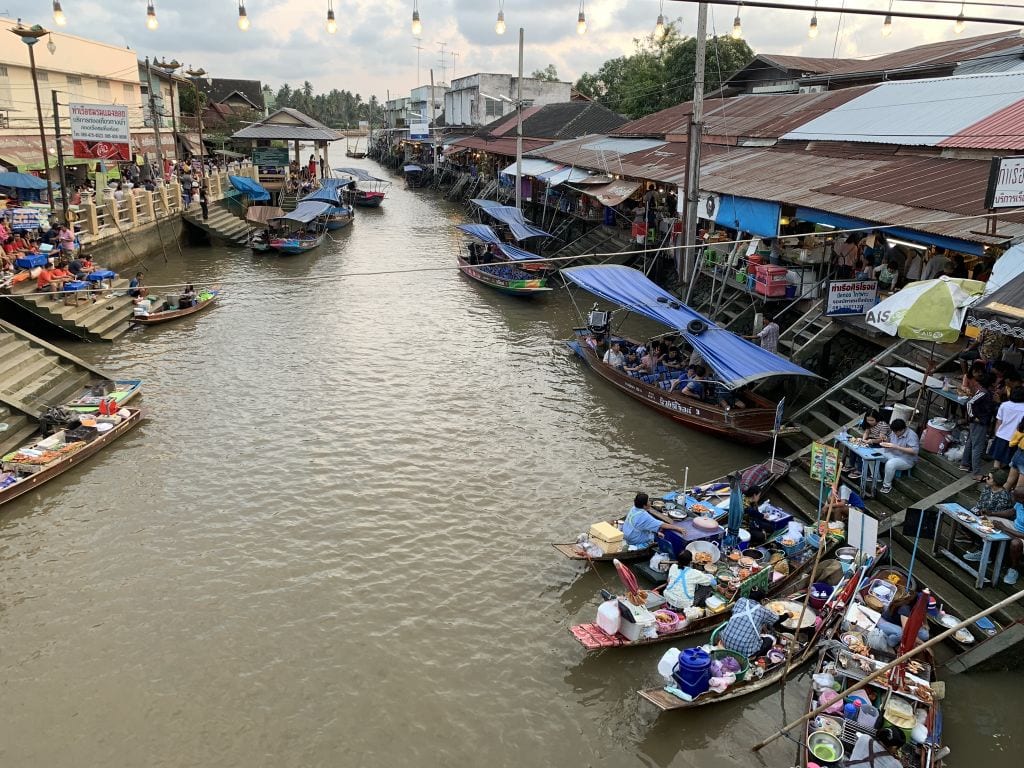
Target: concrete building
[478,99]
[419,102]
[79,69]
[396,112]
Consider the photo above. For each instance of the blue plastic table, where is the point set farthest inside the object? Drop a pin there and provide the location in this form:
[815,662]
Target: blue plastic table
[871,457]
[99,275]
[956,514]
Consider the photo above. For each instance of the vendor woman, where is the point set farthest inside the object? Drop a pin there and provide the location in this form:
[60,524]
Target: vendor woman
[742,633]
[684,581]
[641,527]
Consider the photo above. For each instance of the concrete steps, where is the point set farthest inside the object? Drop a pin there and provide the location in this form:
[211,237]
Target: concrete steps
[19,429]
[104,319]
[221,224]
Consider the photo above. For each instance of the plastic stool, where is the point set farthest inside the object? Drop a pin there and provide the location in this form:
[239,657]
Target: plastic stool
[903,473]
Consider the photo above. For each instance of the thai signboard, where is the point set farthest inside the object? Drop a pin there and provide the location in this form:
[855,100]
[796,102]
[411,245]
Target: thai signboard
[824,459]
[419,131]
[28,219]
[1005,183]
[851,297]
[100,131]
[270,156]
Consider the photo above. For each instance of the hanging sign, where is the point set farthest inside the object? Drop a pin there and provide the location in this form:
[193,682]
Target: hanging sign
[851,297]
[419,131]
[270,156]
[824,458]
[1005,183]
[29,219]
[100,131]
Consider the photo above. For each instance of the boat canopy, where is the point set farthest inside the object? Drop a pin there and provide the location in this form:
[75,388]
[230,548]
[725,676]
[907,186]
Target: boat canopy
[249,187]
[735,360]
[307,210]
[327,192]
[360,174]
[486,234]
[412,169]
[261,214]
[521,228]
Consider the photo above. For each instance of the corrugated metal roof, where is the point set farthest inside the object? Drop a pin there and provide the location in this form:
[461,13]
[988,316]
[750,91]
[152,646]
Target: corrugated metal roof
[621,146]
[533,166]
[1003,129]
[275,126]
[1009,61]
[499,146]
[915,112]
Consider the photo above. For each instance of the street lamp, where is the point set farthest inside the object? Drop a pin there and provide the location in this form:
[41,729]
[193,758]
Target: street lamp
[151,22]
[243,16]
[332,23]
[169,68]
[195,74]
[30,37]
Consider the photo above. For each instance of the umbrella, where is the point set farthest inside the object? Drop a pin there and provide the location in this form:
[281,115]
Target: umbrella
[627,576]
[735,506]
[21,181]
[909,637]
[928,310]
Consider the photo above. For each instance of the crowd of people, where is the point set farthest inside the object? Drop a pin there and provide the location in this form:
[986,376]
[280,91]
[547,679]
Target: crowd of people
[870,256]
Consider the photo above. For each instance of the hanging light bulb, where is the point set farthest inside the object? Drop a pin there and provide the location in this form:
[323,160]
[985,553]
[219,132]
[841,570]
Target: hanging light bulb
[417,27]
[812,31]
[50,45]
[737,27]
[659,28]
[499,25]
[581,20]
[958,27]
[332,24]
[58,14]
[243,17]
[151,21]
[887,26]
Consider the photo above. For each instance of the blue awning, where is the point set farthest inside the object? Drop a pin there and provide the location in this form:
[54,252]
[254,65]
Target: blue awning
[759,217]
[328,191]
[517,254]
[735,360]
[13,180]
[412,169]
[249,187]
[848,222]
[521,229]
[480,232]
[307,210]
[360,174]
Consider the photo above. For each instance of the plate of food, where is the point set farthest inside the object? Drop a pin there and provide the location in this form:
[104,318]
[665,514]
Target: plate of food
[964,517]
[702,509]
[948,620]
[677,514]
[986,528]
[963,636]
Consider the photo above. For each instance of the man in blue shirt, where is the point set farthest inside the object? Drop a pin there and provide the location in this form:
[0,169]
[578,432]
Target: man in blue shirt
[1011,522]
[901,452]
[640,527]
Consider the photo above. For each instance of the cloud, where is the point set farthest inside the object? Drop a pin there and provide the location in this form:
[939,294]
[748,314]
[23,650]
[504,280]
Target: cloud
[373,50]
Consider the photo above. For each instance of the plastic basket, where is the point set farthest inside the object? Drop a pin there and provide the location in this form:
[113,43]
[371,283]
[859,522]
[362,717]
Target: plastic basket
[794,549]
[744,662]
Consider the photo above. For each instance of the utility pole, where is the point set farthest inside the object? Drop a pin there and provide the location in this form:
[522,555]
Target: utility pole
[60,159]
[430,127]
[443,60]
[418,48]
[455,55]
[519,128]
[154,118]
[687,259]
[30,37]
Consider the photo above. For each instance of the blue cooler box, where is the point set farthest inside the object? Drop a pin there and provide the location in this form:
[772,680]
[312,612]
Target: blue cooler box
[32,261]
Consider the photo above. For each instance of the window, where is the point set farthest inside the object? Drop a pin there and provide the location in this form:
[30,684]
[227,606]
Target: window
[129,92]
[42,76]
[103,85]
[3,71]
[6,101]
[493,108]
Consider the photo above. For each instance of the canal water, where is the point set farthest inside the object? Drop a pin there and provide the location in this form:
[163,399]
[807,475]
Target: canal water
[329,542]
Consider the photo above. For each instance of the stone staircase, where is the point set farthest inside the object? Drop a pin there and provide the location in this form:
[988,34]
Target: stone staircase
[600,246]
[287,201]
[104,319]
[34,376]
[221,224]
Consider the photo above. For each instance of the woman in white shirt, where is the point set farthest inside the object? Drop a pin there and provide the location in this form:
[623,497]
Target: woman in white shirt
[683,582]
[1008,417]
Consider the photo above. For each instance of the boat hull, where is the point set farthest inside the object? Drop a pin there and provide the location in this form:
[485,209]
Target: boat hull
[62,466]
[86,402]
[156,318]
[293,247]
[369,199]
[510,287]
[752,426]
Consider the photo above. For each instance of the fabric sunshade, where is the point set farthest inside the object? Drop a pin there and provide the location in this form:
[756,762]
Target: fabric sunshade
[759,217]
[21,181]
[486,234]
[253,189]
[520,228]
[848,222]
[927,310]
[533,166]
[614,192]
[307,210]
[261,214]
[359,174]
[327,193]
[1002,310]
[735,360]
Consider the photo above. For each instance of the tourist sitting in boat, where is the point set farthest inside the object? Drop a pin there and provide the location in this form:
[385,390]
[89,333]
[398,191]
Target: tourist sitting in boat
[614,356]
[890,627]
[729,398]
[874,431]
[652,360]
[673,360]
[640,527]
[685,583]
[692,384]
[136,287]
[633,364]
[187,298]
[742,633]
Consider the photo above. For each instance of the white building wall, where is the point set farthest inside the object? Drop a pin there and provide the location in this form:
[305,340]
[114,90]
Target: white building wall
[475,99]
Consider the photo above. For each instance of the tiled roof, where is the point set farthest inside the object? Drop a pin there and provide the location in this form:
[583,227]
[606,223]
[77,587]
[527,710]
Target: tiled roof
[289,124]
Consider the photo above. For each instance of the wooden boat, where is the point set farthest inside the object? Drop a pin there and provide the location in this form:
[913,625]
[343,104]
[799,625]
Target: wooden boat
[339,217]
[801,646]
[415,176]
[303,229]
[709,492]
[259,216]
[364,190]
[120,391]
[354,152]
[27,476]
[292,246]
[734,361]
[166,315]
[489,261]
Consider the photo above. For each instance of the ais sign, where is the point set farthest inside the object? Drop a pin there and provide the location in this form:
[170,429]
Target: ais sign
[1005,183]
[100,131]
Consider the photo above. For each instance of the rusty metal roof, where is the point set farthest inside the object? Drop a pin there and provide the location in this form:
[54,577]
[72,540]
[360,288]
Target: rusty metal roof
[505,146]
[1001,129]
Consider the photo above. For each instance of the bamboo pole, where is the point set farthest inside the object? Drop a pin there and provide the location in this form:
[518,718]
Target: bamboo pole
[882,670]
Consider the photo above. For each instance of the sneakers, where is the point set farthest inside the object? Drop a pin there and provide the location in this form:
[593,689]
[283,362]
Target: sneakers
[1011,576]
[886,488]
[973,557]
[855,474]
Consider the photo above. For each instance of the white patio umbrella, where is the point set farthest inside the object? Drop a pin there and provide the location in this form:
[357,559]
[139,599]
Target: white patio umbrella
[928,310]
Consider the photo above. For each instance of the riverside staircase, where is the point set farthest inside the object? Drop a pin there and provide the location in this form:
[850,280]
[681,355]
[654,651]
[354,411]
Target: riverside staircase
[102,319]
[34,376]
[221,224]
[598,246]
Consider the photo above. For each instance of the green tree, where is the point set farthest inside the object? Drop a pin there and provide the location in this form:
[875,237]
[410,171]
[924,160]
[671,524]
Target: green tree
[548,73]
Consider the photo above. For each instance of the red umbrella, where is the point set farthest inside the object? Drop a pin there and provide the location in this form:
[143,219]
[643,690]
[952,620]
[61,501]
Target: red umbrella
[908,640]
[627,576]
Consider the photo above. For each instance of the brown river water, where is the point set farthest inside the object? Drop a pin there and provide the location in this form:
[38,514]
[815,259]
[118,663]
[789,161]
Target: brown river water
[328,543]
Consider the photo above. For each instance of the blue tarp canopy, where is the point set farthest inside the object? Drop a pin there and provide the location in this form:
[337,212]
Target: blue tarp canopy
[328,191]
[307,210]
[253,189]
[759,217]
[360,174]
[848,222]
[485,234]
[735,360]
[22,181]
[412,169]
[520,228]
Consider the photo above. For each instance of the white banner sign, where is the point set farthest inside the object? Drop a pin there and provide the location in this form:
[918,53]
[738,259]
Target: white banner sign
[1006,183]
[419,131]
[100,131]
[851,297]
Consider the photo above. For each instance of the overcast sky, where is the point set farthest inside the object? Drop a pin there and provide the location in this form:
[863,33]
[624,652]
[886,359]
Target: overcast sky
[373,50]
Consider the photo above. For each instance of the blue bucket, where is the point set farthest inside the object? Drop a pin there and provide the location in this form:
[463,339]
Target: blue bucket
[692,672]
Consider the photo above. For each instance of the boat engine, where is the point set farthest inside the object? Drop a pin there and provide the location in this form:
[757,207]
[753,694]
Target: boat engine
[598,321]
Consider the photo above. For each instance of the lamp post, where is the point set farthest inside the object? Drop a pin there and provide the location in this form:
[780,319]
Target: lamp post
[30,37]
[193,75]
[169,67]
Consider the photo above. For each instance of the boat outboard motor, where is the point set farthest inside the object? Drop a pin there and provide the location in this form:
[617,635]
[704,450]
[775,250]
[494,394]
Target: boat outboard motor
[598,321]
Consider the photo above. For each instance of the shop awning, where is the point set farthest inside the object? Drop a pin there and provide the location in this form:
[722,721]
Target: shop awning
[759,217]
[21,181]
[848,222]
[569,176]
[360,174]
[612,193]
[249,187]
[734,360]
[520,228]
[533,166]
[306,211]
[1002,310]
[24,153]
[261,214]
